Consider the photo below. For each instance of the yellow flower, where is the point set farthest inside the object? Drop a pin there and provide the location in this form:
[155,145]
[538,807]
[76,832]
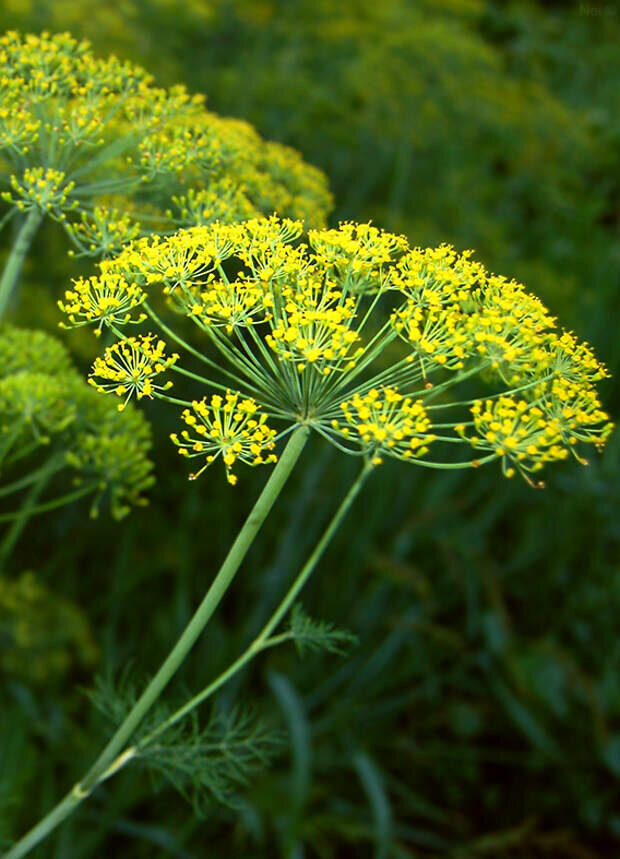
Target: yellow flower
[103,231]
[80,133]
[527,434]
[129,367]
[39,188]
[384,421]
[105,300]
[230,427]
[353,333]
[358,252]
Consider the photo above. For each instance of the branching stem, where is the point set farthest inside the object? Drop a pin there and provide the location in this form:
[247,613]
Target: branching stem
[115,749]
[265,640]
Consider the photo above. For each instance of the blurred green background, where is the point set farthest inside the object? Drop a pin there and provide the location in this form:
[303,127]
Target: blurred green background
[480,713]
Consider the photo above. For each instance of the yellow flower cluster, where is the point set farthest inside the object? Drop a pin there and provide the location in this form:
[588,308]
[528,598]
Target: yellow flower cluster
[224,200]
[437,278]
[572,359]
[41,188]
[315,330]
[19,130]
[526,434]
[105,300]
[508,327]
[182,260]
[438,285]
[266,238]
[222,303]
[60,89]
[577,409]
[103,231]
[189,257]
[384,421]
[129,366]
[77,131]
[33,407]
[456,311]
[231,427]
[518,431]
[357,252]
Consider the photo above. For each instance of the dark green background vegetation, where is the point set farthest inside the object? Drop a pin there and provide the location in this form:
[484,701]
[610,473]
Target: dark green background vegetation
[480,713]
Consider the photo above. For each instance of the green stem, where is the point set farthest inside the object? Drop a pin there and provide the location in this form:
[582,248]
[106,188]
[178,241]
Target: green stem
[14,263]
[7,443]
[51,505]
[41,479]
[188,348]
[112,757]
[265,640]
[47,825]
[51,466]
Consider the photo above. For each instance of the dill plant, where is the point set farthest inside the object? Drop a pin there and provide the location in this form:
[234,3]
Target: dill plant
[95,145]
[382,349]
[58,441]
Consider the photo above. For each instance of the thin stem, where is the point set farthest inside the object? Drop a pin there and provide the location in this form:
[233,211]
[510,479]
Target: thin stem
[14,532]
[264,640]
[8,458]
[13,266]
[174,400]
[113,755]
[454,466]
[51,466]
[180,342]
[51,505]
[5,220]
[10,439]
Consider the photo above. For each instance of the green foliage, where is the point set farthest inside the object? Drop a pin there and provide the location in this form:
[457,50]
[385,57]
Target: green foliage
[313,635]
[92,136]
[205,762]
[213,761]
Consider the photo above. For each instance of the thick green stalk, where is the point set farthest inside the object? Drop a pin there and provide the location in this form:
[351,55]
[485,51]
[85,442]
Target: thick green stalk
[14,263]
[264,640]
[112,757]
